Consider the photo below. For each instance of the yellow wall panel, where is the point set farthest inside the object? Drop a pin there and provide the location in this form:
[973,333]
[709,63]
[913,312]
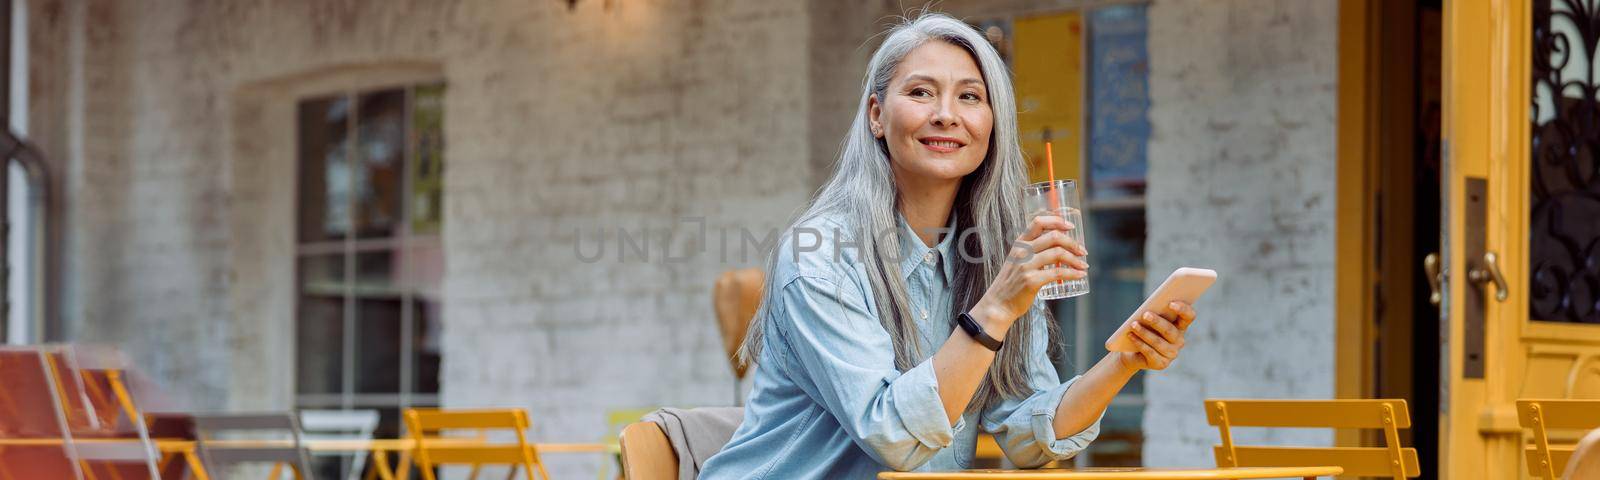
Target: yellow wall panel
[1048,64]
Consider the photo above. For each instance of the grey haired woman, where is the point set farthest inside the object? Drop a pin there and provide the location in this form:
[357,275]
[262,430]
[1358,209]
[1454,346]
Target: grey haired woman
[861,366]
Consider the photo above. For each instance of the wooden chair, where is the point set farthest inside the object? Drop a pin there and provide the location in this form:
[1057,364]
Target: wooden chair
[1542,416]
[735,297]
[1390,461]
[425,426]
[647,454]
[616,420]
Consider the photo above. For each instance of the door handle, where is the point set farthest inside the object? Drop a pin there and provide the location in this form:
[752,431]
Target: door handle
[1489,271]
[1430,267]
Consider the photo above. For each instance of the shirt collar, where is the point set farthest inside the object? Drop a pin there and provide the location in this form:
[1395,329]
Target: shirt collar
[913,252]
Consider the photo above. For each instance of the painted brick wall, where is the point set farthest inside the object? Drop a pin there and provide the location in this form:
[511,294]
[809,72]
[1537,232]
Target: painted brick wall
[1242,160]
[168,120]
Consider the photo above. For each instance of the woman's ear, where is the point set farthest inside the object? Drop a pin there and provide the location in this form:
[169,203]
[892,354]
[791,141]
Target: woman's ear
[874,112]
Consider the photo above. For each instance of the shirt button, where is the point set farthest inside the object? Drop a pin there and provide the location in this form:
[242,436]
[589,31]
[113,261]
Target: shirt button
[927,257]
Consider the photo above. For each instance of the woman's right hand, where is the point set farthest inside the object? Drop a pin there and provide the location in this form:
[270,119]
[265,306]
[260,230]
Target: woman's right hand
[1014,289]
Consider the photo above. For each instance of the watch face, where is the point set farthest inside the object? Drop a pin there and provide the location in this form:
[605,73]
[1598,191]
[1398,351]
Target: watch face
[976,332]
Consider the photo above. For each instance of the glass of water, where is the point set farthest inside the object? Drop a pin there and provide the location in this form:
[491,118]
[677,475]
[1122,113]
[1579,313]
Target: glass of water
[1059,197]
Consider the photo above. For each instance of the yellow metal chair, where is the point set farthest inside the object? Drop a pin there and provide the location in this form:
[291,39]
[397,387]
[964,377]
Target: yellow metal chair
[1542,416]
[426,426]
[1390,461]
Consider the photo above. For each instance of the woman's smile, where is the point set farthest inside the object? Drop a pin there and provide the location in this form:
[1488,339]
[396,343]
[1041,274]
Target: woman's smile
[942,144]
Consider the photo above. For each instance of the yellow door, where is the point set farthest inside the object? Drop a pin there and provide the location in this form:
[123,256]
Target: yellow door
[1522,217]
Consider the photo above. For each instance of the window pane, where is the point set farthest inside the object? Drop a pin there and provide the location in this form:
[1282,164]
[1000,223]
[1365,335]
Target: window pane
[1066,359]
[378,322]
[324,169]
[1116,274]
[427,175]
[377,274]
[1119,101]
[381,134]
[425,346]
[378,345]
[319,325]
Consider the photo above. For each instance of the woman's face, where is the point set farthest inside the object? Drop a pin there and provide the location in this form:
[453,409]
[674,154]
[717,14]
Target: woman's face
[934,115]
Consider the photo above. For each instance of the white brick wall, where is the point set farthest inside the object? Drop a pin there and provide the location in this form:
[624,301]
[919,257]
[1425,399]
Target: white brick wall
[1243,97]
[612,114]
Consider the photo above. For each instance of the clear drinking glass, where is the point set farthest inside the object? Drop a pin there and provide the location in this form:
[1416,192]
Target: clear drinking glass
[1060,198]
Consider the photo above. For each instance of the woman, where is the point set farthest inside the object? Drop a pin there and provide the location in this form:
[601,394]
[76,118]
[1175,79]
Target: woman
[863,287]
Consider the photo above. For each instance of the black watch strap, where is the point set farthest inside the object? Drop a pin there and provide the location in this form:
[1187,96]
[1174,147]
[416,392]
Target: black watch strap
[976,332]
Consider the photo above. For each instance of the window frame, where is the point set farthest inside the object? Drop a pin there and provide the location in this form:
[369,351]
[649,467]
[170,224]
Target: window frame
[349,247]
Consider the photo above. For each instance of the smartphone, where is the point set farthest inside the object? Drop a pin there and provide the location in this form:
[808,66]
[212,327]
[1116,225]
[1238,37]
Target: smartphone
[1185,284]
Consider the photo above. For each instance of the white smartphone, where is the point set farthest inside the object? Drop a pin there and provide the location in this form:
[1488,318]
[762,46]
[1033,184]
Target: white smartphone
[1185,285]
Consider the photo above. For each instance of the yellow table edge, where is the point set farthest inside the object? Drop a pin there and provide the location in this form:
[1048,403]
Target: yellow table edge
[171,445]
[1113,473]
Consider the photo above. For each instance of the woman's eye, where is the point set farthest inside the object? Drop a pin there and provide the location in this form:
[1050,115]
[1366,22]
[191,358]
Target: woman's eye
[921,92]
[969,96]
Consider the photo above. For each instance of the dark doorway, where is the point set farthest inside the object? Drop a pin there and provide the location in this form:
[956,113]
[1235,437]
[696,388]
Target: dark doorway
[1407,348]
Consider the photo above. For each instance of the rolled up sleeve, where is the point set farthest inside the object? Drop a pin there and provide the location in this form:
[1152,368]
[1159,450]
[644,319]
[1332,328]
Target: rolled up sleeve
[841,350]
[1025,427]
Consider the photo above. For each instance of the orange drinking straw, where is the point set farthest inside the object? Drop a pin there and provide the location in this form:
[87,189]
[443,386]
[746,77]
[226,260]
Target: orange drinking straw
[1050,165]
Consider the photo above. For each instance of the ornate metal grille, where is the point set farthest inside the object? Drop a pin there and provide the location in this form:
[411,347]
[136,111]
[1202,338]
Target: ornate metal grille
[1565,230]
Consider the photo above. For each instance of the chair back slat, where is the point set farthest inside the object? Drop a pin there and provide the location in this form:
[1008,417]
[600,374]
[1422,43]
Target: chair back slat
[121,451]
[431,420]
[252,454]
[348,422]
[1356,461]
[501,454]
[1388,415]
[246,421]
[1309,413]
[1563,414]
[1547,459]
[647,454]
[1558,456]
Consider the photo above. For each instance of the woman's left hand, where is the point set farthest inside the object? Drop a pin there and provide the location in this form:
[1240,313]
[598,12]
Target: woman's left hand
[1159,338]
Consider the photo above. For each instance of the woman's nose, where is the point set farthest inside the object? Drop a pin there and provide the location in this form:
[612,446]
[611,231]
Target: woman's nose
[944,115]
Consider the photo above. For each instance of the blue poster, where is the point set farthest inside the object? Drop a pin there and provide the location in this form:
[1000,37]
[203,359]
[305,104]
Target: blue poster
[1119,102]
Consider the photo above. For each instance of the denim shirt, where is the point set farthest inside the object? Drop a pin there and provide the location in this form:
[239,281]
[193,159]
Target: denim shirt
[827,401]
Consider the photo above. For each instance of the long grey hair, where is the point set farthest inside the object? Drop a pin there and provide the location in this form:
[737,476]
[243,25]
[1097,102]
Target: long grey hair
[988,211]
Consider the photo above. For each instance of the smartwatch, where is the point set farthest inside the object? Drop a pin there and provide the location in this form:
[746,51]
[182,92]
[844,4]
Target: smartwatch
[976,332]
